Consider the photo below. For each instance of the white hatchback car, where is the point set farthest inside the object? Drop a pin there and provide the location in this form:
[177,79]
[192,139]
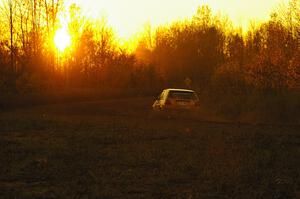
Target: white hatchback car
[176,99]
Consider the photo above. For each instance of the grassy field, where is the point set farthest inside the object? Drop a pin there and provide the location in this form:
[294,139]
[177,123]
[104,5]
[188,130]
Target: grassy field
[113,149]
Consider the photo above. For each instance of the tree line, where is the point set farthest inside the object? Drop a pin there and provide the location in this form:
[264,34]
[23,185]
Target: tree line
[206,53]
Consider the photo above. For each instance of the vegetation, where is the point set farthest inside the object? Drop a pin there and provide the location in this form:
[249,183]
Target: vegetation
[256,72]
[110,149]
[86,138]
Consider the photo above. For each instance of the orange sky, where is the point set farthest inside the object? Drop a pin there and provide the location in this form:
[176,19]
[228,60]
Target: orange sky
[129,16]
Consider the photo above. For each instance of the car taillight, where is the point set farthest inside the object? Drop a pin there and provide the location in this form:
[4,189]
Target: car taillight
[168,102]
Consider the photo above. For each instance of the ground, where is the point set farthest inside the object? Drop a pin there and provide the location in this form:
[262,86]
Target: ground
[116,149]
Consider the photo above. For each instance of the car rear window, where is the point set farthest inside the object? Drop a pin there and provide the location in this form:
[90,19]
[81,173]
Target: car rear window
[185,95]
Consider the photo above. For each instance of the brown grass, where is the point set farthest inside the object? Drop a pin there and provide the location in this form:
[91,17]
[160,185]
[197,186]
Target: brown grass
[111,149]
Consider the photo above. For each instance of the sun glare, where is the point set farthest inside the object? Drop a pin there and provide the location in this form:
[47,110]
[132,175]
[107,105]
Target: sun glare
[62,39]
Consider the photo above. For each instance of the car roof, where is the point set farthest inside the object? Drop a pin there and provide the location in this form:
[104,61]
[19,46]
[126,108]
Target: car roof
[182,90]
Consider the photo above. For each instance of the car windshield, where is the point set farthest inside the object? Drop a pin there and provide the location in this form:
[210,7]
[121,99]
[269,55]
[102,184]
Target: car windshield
[184,95]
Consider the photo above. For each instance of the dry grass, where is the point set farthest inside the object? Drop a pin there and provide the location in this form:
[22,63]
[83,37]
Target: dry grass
[111,149]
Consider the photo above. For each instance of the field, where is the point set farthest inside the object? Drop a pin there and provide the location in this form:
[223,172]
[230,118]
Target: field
[113,149]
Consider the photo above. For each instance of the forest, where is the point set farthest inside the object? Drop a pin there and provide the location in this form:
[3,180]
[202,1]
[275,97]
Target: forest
[251,74]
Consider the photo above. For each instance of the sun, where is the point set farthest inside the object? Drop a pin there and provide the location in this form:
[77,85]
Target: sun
[62,39]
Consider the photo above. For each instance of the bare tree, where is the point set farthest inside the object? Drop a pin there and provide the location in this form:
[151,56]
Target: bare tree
[11,33]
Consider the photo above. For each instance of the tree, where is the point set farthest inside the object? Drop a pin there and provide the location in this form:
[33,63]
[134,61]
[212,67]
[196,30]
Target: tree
[8,9]
[270,68]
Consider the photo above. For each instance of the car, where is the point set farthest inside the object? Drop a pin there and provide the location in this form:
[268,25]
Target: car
[176,99]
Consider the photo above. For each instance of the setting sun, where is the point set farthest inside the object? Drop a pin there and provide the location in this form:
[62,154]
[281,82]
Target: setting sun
[150,99]
[62,39]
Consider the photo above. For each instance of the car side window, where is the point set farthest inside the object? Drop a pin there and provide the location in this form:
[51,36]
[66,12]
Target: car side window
[168,95]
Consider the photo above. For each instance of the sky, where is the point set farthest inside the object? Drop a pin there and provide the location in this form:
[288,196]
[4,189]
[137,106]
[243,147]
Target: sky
[129,16]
